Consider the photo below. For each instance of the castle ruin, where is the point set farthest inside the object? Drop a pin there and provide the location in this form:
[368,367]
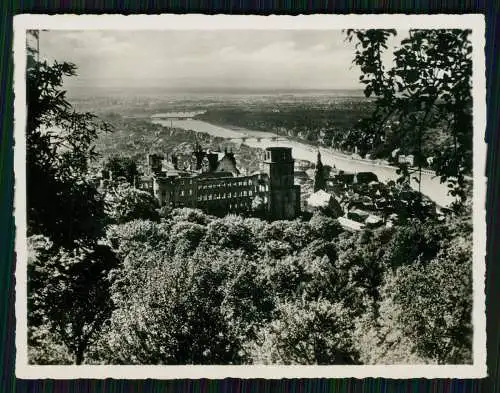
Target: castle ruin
[214,184]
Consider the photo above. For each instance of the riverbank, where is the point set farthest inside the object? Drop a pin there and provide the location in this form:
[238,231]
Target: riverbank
[340,153]
[430,185]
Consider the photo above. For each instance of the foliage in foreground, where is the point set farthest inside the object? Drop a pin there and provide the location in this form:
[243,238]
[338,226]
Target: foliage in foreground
[195,289]
[427,88]
[68,286]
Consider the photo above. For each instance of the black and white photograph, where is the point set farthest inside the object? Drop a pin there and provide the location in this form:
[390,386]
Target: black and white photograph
[290,195]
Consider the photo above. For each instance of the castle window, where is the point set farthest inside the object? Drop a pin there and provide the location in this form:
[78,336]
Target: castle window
[182,192]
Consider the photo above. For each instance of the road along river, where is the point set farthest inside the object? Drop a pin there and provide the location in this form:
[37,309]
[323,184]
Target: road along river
[430,185]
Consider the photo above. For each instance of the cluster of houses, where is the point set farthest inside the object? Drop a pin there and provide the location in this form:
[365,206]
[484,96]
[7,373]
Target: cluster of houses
[360,200]
[212,181]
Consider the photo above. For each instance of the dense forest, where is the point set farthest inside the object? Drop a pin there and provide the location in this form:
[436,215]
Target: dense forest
[113,279]
[193,289]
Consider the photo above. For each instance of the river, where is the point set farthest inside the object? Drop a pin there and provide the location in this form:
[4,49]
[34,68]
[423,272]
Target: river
[430,185]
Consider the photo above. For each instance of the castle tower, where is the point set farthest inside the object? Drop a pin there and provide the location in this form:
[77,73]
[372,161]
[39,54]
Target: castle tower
[284,196]
[154,161]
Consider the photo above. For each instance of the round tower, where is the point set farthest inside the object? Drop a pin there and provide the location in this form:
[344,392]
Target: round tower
[284,197]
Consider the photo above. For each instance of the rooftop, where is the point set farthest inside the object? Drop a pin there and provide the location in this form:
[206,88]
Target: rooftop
[278,148]
[350,224]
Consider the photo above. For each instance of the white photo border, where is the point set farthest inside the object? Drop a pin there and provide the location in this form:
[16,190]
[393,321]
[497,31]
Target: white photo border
[475,22]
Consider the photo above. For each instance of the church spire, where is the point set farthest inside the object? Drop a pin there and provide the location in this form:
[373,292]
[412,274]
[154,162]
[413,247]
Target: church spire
[319,175]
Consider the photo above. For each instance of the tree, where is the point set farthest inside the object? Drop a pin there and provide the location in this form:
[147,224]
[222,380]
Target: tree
[125,203]
[414,241]
[230,232]
[68,293]
[121,166]
[62,203]
[428,87]
[191,215]
[319,175]
[324,226]
[306,332]
[175,319]
[247,303]
[425,312]
[360,267]
[68,287]
[258,206]
[186,237]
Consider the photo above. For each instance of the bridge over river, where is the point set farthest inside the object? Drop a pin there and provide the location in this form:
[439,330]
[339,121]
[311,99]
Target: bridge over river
[430,185]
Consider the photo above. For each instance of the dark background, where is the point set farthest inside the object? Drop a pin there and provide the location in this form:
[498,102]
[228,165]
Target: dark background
[8,8]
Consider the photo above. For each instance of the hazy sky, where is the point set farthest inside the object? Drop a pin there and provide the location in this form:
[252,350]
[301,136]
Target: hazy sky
[289,59]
